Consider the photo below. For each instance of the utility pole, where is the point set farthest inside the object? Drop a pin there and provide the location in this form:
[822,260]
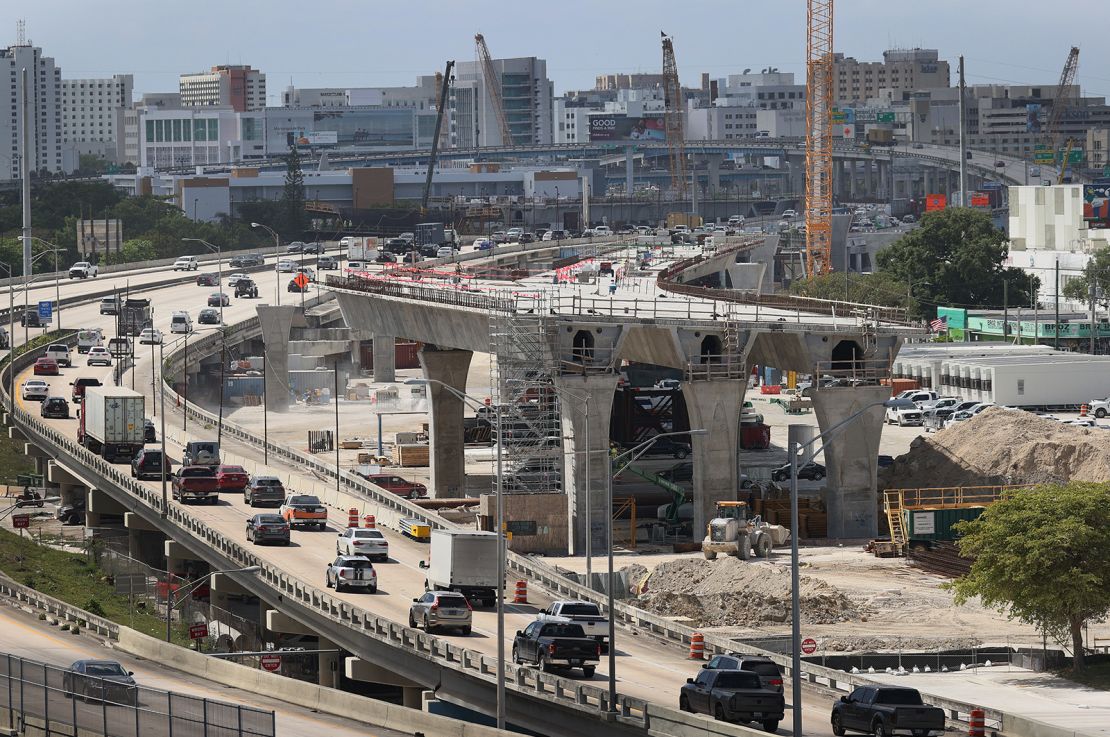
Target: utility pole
[1005,309]
[1092,289]
[963,140]
[1056,340]
[25,176]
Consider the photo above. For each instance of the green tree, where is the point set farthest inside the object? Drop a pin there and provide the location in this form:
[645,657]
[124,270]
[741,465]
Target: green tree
[956,257]
[292,196]
[1043,557]
[136,249]
[1097,272]
[878,288]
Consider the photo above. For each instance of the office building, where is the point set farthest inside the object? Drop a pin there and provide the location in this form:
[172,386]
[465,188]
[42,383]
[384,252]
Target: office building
[236,86]
[606,82]
[44,89]
[424,95]
[527,96]
[856,82]
[92,114]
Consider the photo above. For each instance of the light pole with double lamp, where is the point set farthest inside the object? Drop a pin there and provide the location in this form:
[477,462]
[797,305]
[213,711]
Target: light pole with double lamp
[500,523]
[175,598]
[277,257]
[618,464]
[795,598]
[219,269]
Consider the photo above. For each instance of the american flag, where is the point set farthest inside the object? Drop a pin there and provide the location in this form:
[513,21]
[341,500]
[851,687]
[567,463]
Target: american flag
[940,325]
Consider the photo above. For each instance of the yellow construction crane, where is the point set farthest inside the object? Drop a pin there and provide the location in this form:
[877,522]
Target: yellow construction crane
[673,115]
[819,160]
[493,86]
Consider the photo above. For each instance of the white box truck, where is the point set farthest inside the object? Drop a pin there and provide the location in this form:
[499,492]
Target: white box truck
[466,562]
[111,422]
[362,249]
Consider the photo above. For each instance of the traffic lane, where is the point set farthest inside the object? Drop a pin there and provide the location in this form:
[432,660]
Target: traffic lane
[30,638]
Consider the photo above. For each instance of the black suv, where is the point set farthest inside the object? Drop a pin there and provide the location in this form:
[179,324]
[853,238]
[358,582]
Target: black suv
[149,435]
[767,670]
[264,490]
[246,261]
[147,464]
[245,288]
[55,407]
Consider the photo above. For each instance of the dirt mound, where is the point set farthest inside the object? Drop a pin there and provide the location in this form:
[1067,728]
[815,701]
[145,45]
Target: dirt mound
[1000,446]
[731,592]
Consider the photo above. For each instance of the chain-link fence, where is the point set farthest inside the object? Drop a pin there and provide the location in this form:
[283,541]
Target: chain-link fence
[43,699]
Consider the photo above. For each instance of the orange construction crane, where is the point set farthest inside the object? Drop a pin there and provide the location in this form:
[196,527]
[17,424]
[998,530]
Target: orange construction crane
[819,157]
[674,111]
[493,87]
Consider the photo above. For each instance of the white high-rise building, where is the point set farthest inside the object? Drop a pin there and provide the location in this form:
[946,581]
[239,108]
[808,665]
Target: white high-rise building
[526,93]
[239,87]
[44,88]
[91,113]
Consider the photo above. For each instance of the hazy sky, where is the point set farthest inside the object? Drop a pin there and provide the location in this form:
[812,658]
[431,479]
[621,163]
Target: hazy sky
[386,42]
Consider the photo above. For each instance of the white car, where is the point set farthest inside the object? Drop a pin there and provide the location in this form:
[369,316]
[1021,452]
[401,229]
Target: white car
[286,266]
[361,541]
[82,270]
[35,389]
[603,230]
[99,354]
[789,214]
[186,263]
[234,278]
[150,336]
[352,571]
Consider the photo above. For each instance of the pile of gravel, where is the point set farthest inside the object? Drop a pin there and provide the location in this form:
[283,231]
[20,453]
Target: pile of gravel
[729,592]
[1000,446]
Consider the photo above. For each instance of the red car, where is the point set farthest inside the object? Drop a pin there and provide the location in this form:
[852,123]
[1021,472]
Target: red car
[398,485]
[232,478]
[46,367]
[208,280]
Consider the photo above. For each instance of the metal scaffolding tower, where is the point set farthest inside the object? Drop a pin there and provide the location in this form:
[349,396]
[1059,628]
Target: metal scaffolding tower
[674,112]
[523,370]
[819,158]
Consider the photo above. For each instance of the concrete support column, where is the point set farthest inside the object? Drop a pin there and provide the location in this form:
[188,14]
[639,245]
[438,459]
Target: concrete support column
[851,458]
[629,171]
[575,419]
[885,184]
[385,358]
[448,463]
[873,179]
[356,358]
[276,321]
[328,664]
[412,697]
[715,407]
[851,164]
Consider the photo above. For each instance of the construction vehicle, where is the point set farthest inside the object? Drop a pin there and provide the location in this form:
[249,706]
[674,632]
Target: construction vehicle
[444,86]
[674,108]
[734,531]
[492,82]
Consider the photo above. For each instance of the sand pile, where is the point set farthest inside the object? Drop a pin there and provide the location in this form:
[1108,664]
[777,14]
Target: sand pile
[731,592]
[1000,446]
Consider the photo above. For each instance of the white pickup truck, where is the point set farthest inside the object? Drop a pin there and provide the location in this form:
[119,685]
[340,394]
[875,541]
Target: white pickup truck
[583,613]
[1099,407]
[82,270]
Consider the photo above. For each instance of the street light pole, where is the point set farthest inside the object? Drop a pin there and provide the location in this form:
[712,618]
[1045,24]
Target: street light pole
[162,361]
[277,257]
[500,522]
[795,449]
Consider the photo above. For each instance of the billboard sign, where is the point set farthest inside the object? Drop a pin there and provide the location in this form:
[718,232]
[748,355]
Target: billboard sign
[935,202]
[979,199]
[626,128]
[312,138]
[1096,205]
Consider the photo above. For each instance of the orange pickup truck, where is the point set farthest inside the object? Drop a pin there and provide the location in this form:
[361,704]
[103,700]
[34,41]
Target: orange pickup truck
[304,510]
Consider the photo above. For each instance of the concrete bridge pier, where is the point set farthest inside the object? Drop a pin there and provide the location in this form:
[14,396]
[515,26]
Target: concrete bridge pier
[144,541]
[176,555]
[276,322]
[99,503]
[385,358]
[448,464]
[356,669]
[715,406]
[851,458]
[573,391]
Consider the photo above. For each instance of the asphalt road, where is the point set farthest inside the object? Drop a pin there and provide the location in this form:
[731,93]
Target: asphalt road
[27,637]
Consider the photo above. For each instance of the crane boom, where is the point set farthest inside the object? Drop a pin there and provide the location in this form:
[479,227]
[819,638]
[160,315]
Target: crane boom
[445,84]
[673,112]
[493,87]
[819,160]
[1063,97]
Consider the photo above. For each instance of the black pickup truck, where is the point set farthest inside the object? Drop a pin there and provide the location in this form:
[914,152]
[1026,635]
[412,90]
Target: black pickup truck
[551,645]
[886,710]
[733,696]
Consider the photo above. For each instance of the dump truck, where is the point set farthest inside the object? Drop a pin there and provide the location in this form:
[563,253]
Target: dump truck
[111,422]
[734,531]
[134,315]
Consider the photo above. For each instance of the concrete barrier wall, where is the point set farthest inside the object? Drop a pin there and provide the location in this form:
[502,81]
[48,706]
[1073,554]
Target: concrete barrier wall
[300,693]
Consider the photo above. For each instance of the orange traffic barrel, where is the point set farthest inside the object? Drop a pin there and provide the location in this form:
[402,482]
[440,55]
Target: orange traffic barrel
[521,595]
[352,517]
[697,646]
[1082,410]
[976,726]
[369,521]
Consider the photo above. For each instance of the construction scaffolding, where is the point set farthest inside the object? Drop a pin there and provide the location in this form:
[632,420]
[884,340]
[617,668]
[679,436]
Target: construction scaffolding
[522,377]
